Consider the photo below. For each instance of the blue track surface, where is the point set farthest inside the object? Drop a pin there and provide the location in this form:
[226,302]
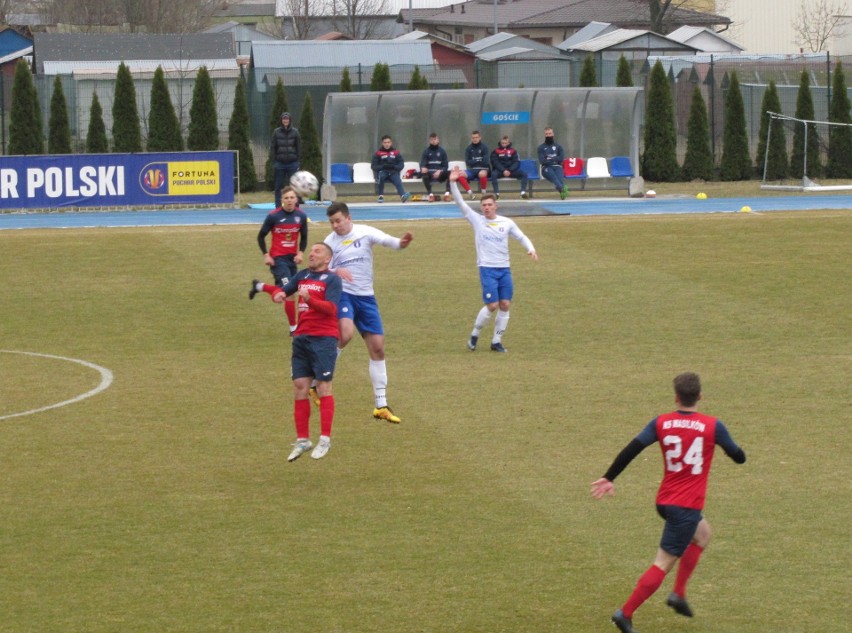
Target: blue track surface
[420,211]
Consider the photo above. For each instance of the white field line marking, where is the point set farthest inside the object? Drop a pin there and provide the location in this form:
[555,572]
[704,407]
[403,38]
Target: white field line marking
[106,381]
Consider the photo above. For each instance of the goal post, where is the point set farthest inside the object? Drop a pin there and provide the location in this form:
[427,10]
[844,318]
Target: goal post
[818,132]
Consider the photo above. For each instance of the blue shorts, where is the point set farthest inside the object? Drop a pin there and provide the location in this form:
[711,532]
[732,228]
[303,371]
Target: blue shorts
[496,284]
[681,524]
[283,269]
[314,357]
[363,311]
[473,174]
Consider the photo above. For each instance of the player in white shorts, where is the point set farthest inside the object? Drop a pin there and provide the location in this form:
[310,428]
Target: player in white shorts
[352,247]
[491,237]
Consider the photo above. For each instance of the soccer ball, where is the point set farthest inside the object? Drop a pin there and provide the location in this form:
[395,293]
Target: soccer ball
[304,183]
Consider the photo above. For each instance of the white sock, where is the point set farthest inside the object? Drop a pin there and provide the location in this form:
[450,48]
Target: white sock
[379,378]
[500,325]
[481,320]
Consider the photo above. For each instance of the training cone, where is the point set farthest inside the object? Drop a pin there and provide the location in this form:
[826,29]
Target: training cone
[701,196]
[745,210]
[650,193]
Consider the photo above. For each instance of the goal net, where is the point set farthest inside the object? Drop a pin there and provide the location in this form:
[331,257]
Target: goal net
[796,154]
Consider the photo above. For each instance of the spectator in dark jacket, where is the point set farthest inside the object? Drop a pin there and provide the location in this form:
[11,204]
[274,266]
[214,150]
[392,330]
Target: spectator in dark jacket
[435,166]
[505,163]
[285,150]
[386,164]
[550,157]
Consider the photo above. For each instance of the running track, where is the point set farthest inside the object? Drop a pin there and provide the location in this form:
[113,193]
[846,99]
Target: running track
[423,211]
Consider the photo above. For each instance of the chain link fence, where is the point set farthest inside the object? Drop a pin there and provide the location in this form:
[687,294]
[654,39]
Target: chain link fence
[711,73]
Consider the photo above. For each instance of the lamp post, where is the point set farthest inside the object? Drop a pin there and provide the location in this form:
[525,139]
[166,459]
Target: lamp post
[410,19]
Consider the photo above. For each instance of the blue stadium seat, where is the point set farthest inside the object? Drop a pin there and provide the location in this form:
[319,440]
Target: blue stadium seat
[341,173]
[620,167]
[530,168]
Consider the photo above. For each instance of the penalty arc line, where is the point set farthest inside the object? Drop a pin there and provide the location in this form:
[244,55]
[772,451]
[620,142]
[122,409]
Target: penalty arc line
[106,381]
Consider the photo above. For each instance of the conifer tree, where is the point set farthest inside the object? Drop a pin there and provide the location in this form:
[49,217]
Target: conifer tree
[163,125]
[623,76]
[345,81]
[96,138]
[588,75]
[698,163]
[659,162]
[279,106]
[418,81]
[239,138]
[58,128]
[126,131]
[25,125]
[840,142]
[203,135]
[805,111]
[736,162]
[311,159]
[775,160]
[381,80]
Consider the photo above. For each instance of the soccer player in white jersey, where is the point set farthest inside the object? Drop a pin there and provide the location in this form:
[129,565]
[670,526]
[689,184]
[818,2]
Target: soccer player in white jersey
[491,236]
[352,248]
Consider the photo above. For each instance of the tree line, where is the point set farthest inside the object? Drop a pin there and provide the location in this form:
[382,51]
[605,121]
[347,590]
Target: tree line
[659,162]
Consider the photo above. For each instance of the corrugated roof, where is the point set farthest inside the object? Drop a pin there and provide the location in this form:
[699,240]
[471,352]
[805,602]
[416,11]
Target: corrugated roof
[318,54]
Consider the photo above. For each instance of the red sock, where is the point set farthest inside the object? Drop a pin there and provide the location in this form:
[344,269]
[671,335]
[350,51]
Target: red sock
[685,568]
[483,183]
[464,183]
[271,290]
[302,417]
[326,414]
[290,309]
[648,583]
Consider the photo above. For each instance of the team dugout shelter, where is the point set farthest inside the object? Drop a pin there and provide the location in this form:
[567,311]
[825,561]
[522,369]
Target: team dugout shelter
[587,122]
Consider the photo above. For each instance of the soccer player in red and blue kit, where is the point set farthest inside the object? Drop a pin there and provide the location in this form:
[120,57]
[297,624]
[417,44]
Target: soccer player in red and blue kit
[289,228]
[314,346]
[687,439]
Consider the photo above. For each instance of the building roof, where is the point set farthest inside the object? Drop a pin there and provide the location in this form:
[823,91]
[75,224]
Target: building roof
[240,32]
[16,55]
[90,47]
[520,52]
[319,54]
[556,13]
[686,34]
[592,29]
[630,39]
[487,47]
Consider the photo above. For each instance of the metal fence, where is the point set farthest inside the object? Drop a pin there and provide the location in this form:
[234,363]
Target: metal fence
[711,73]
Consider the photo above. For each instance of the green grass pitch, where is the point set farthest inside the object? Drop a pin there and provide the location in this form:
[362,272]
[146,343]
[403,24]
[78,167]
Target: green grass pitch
[165,502]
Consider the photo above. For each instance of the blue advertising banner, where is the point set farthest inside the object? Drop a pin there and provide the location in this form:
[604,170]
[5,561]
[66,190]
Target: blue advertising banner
[103,180]
[510,118]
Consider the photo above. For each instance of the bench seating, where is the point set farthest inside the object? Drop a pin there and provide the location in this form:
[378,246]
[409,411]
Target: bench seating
[348,176]
[598,168]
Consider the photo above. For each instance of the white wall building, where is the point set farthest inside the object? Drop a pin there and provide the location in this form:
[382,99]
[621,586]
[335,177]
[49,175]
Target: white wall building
[767,26]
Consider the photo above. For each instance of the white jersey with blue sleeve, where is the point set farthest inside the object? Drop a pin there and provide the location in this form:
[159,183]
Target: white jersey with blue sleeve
[354,251]
[491,237]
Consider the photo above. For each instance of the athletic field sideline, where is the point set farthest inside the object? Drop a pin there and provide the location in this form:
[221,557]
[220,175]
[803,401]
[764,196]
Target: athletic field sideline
[371,211]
